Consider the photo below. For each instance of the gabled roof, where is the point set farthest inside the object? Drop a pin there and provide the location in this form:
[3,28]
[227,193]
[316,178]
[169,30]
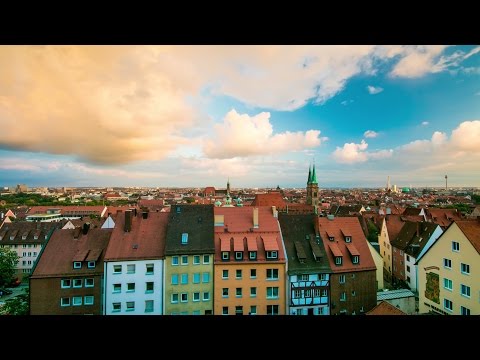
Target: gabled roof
[35,232]
[145,240]
[394,224]
[413,237]
[443,217]
[471,229]
[63,249]
[273,198]
[385,308]
[198,222]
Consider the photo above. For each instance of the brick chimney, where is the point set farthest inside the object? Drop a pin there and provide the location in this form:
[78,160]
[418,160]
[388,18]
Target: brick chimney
[86,227]
[128,220]
[418,229]
[255,218]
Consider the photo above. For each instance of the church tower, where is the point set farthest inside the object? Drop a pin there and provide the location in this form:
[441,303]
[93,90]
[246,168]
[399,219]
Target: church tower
[312,187]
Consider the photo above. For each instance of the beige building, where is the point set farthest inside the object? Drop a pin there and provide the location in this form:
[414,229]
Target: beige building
[378,263]
[449,272]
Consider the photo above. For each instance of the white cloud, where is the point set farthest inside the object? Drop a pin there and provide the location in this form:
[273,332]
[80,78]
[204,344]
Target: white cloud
[372,90]
[242,135]
[352,153]
[425,123]
[370,134]
[466,136]
[346,102]
[417,61]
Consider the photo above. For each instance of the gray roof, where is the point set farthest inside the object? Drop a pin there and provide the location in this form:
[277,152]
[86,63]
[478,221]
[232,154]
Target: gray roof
[394,294]
[295,229]
[195,220]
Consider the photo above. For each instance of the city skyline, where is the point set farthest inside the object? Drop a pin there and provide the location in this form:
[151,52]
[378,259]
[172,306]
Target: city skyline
[193,116]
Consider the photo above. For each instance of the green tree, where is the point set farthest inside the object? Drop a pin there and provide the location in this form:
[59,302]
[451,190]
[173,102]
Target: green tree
[372,232]
[18,305]
[8,265]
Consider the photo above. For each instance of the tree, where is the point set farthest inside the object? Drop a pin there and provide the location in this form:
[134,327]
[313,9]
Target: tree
[8,265]
[18,305]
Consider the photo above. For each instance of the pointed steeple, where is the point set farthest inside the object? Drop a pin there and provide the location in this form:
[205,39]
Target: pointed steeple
[314,176]
[309,174]
[228,187]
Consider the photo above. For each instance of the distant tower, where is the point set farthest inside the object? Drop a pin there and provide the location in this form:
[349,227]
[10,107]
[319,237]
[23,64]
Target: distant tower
[312,187]
[228,187]
[446,184]
[388,183]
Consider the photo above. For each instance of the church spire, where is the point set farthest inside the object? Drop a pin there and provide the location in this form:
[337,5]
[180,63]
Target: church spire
[228,186]
[314,175]
[309,174]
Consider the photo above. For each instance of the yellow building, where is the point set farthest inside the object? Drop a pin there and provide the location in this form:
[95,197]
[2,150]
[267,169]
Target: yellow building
[378,263]
[449,272]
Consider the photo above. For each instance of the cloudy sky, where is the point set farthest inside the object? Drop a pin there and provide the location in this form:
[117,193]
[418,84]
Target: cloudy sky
[259,115]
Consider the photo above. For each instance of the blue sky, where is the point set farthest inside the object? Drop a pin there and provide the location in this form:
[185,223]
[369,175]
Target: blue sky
[259,115]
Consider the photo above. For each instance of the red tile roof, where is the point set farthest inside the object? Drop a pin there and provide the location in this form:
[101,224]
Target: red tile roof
[63,249]
[273,198]
[147,234]
[240,219]
[471,229]
[443,217]
[334,228]
[385,308]
[394,224]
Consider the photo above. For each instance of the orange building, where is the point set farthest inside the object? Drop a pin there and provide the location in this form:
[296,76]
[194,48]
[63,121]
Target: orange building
[249,262]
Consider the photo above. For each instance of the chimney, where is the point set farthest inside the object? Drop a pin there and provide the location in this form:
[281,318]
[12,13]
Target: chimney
[274,211]
[128,221]
[418,229]
[145,214]
[255,218]
[86,227]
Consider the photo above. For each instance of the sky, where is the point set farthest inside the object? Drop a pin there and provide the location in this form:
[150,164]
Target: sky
[196,116]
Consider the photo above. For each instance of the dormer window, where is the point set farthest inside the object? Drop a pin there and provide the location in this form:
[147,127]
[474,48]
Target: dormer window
[348,239]
[91,264]
[331,238]
[184,238]
[355,259]
[272,254]
[238,255]
[252,255]
[77,264]
[338,260]
[225,255]
[35,237]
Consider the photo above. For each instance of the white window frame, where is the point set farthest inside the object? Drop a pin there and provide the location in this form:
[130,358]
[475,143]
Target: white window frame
[130,308]
[147,272]
[116,267]
[206,296]
[252,255]
[146,287]
[236,274]
[348,239]
[175,261]
[87,298]
[445,260]
[91,264]
[272,290]
[184,238]
[196,259]
[225,310]
[174,295]
[115,291]
[464,311]
[272,274]
[342,279]
[115,304]
[67,300]
[77,298]
[223,274]
[77,264]
[196,296]
[182,296]
[63,286]
[272,254]
[343,296]
[184,257]
[455,246]
[355,259]
[239,294]
[89,285]
[466,266]
[338,260]
[152,308]
[253,291]
[208,257]
[238,255]
[77,281]
[254,276]
[466,287]
[131,266]
[447,282]
[225,255]
[445,305]
[225,294]
[131,290]
[253,309]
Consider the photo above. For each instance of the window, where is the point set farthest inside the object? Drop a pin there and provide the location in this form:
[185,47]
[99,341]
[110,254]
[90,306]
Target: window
[224,274]
[89,282]
[130,306]
[196,296]
[88,300]
[174,299]
[253,292]
[354,293]
[131,269]
[253,273]
[401,252]
[302,277]
[76,300]
[355,259]
[323,277]
[225,310]
[196,259]
[272,274]
[183,297]
[324,292]
[465,290]
[24,262]
[238,274]
[174,279]
[272,309]
[117,269]
[184,259]
[253,310]
[408,268]
[331,238]
[117,288]
[343,296]
[447,284]
[408,259]
[272,254]
[184,238]
[238,292]
[77,265]
[348,239]
[77,283]
[252,255]
[91,264]
[341,279]
[455,246]
[225,292]
[465,269]
[148,306]
[174,260]
[225,255]
[206,259]
[116,307]
[297,294]
[65,301]
[149,269]
[272,292]
[24,254]
[353,276]
[66,283]
[131,287]
[338,260]
[149,287]
[238,255]
[184,279]
[447,263]
[206,277]
[238,310]
[308,293]
[196,278]
[448,305]
[316,292]
[408,278]
[464,311]
[206,296]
